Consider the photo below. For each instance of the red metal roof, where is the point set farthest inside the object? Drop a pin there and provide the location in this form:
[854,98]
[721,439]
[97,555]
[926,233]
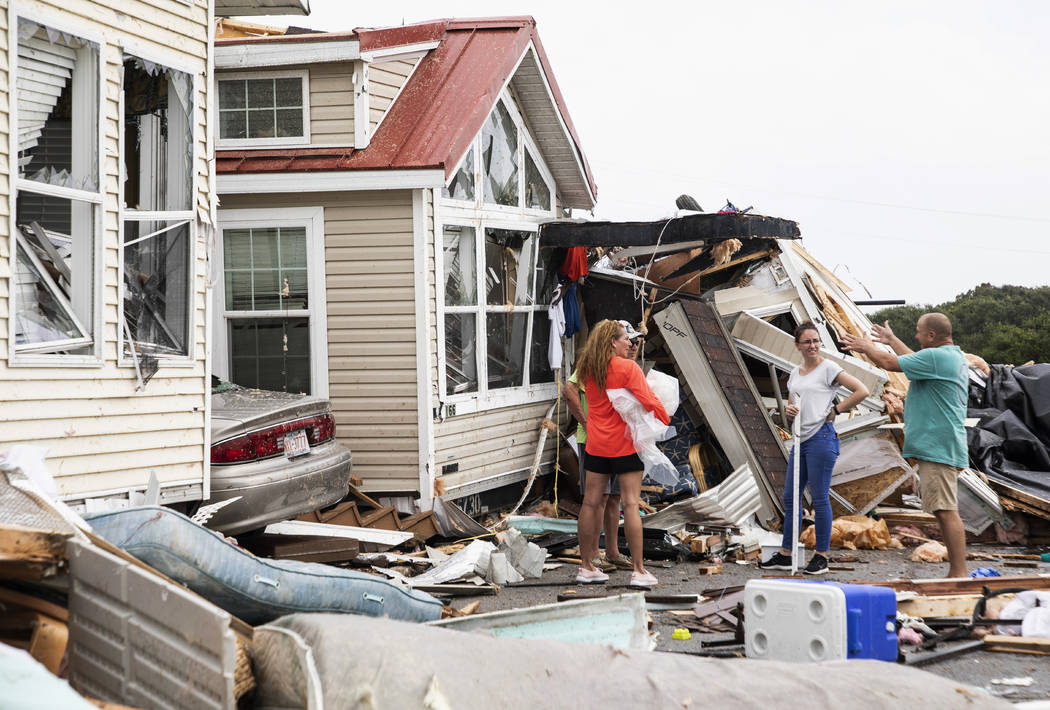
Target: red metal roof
[441,108]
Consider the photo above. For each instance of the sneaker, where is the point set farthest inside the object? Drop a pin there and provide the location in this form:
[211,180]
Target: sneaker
[777,561]
[591,576]
[643,580]
[818,564]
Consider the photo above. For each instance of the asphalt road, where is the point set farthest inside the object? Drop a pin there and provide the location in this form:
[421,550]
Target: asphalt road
[977,668]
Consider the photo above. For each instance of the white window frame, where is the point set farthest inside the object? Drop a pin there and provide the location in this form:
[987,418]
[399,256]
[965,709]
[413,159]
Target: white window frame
[130,48]
[310,218]
[484,398]
[525,140]
[277,141]
[95,199]
[480,215]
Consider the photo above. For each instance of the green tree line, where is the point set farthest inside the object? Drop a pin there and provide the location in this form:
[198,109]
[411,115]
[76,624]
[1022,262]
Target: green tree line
[1002,324]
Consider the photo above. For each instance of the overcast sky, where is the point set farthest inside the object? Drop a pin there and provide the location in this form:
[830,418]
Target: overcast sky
[909,140]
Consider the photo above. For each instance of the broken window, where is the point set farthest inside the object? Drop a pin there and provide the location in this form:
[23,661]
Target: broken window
[459,266]
[57,191]
[261,108]
[156,285]
[158,218]
[499,157]
[506,319]
[461,187]
[266,283]
[509,267]
[537,194]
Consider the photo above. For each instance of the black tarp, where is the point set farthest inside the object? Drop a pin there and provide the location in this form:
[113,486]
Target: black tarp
[1011,442]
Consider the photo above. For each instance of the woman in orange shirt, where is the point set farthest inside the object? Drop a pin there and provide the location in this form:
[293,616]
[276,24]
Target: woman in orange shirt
[610,451]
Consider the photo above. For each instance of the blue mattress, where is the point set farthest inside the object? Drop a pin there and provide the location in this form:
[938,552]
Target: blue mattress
[252,588]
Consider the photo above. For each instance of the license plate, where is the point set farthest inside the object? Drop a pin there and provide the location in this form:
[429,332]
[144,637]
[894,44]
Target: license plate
[296,444]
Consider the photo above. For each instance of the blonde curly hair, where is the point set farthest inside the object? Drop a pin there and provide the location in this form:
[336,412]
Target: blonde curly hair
[594,361]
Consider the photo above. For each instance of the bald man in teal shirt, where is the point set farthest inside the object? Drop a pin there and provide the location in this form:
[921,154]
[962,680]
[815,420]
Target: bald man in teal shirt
[934,416]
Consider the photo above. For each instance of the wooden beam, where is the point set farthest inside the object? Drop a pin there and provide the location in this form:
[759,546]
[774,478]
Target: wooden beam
[709,227]
[1017,644]
[961,585]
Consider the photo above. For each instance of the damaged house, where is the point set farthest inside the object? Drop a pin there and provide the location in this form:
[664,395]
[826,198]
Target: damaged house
[400,176]
[103,262]
[719,295]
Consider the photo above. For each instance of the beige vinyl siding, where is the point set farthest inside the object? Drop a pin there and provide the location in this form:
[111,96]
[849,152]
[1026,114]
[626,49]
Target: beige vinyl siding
[5,187]
[493,442]
[435,283]
[102,436]
[370,294]
[385,80]
[332,104]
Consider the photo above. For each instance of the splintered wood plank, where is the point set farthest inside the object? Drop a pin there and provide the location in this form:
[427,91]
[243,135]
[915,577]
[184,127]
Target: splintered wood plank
[950,605]
[962,585]
[29,545]
[1017,644]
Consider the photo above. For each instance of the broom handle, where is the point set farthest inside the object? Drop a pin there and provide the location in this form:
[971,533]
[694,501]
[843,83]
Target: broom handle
[796,427]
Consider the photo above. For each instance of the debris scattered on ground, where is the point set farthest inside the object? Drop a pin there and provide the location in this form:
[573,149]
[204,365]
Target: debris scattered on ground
[855,532]
[929,552]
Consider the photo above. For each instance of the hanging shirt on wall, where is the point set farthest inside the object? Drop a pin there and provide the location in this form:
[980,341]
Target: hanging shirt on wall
[554,351]
[575,264]
[571,309]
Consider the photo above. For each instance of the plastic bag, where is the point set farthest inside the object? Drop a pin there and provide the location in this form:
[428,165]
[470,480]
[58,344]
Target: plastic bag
[644,430]
[665,388]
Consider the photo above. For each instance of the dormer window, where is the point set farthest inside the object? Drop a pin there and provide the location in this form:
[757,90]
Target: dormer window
[504,162]
[499,157]
[264,109]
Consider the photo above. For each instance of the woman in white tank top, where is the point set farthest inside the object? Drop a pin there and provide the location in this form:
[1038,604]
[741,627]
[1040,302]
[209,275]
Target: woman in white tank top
[813,388]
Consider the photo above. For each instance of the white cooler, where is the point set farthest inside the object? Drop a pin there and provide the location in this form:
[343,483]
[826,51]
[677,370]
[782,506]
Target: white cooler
[789,621]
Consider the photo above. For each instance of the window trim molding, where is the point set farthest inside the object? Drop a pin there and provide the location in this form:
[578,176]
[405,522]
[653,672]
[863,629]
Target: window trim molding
[313,219]
[61,22]
[138,50]
[483,399]
[278,141]
[526,143]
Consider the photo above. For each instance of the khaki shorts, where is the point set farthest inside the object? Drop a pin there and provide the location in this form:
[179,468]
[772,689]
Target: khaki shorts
[938,486]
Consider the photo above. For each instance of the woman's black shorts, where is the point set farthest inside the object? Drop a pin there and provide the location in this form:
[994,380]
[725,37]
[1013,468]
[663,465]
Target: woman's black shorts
[613,465]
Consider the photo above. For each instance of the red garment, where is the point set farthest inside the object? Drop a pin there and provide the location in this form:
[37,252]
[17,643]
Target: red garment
[575,264]
[607,433]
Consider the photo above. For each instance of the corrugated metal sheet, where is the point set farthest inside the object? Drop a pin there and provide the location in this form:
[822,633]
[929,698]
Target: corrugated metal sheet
[139,640]
[731,502]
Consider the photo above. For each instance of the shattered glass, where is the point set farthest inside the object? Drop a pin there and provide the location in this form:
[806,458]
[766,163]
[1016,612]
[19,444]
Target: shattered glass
[157,285]
[461,187]
[509,274]
[45,321]
[58,108]
[499,157]
[461,370]
[537,194]
[56,275]
[158,137]
[459,274]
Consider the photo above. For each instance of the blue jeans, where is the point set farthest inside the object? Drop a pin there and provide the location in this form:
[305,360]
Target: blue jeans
[819,453]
